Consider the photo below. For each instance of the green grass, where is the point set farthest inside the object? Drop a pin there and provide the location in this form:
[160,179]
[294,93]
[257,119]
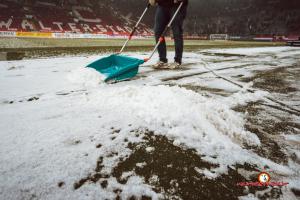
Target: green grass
[52,47]
[37,43]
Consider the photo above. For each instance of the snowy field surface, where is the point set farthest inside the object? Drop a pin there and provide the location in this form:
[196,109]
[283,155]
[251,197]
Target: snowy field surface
[64,132]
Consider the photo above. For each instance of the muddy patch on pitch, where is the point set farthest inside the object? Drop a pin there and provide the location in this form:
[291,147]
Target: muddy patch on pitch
[175,172]
[31,99]
[270,126]
[271,122]
[226,55]
[275,80]
[209,90]
[94,177]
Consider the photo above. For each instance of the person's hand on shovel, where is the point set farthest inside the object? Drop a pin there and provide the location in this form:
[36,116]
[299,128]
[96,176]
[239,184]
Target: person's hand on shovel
[152,2]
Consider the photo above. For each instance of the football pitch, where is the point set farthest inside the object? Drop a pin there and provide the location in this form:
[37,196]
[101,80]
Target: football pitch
[36,47]
[203,131]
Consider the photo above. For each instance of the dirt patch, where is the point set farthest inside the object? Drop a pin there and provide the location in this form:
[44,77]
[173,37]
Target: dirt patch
[9,56]
[269,148]
[201,89]
[176,172]
[61,184]
[268,129]
[181,76]
[33,99]
[274,124]
[22,100]
[226,55]
[222,61]
[93,177]
[274,80]
[8,102]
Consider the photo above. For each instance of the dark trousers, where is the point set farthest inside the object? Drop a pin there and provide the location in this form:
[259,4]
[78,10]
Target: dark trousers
[162,17]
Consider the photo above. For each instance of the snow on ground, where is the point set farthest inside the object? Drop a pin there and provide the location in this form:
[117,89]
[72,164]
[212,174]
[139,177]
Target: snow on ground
[54,112]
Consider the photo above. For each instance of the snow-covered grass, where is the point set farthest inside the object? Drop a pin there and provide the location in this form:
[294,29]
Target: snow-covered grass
[53,112]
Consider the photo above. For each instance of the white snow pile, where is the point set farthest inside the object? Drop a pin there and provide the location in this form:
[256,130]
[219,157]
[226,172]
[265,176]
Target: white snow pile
[190,119]
[175,111]
[87,77]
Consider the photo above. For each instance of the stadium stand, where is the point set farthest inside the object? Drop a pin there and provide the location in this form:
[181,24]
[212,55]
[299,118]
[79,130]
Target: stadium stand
[251,17]
[232,17]
[63,16]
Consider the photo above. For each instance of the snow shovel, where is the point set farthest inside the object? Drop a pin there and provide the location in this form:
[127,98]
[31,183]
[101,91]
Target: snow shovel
[118,67]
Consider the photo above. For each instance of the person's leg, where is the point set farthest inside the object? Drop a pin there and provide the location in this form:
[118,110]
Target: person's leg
[177,28]
[162,17]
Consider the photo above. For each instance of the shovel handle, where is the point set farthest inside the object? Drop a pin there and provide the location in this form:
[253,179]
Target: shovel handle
[135,28]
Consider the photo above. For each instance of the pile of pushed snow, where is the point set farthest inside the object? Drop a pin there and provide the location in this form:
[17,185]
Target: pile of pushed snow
[176,111]
[190,119]
[88,77]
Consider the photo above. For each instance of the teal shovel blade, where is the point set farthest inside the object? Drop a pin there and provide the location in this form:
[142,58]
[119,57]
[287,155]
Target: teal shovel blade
[117,67]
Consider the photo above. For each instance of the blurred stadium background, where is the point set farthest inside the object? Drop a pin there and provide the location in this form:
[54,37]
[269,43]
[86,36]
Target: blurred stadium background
[270,20]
